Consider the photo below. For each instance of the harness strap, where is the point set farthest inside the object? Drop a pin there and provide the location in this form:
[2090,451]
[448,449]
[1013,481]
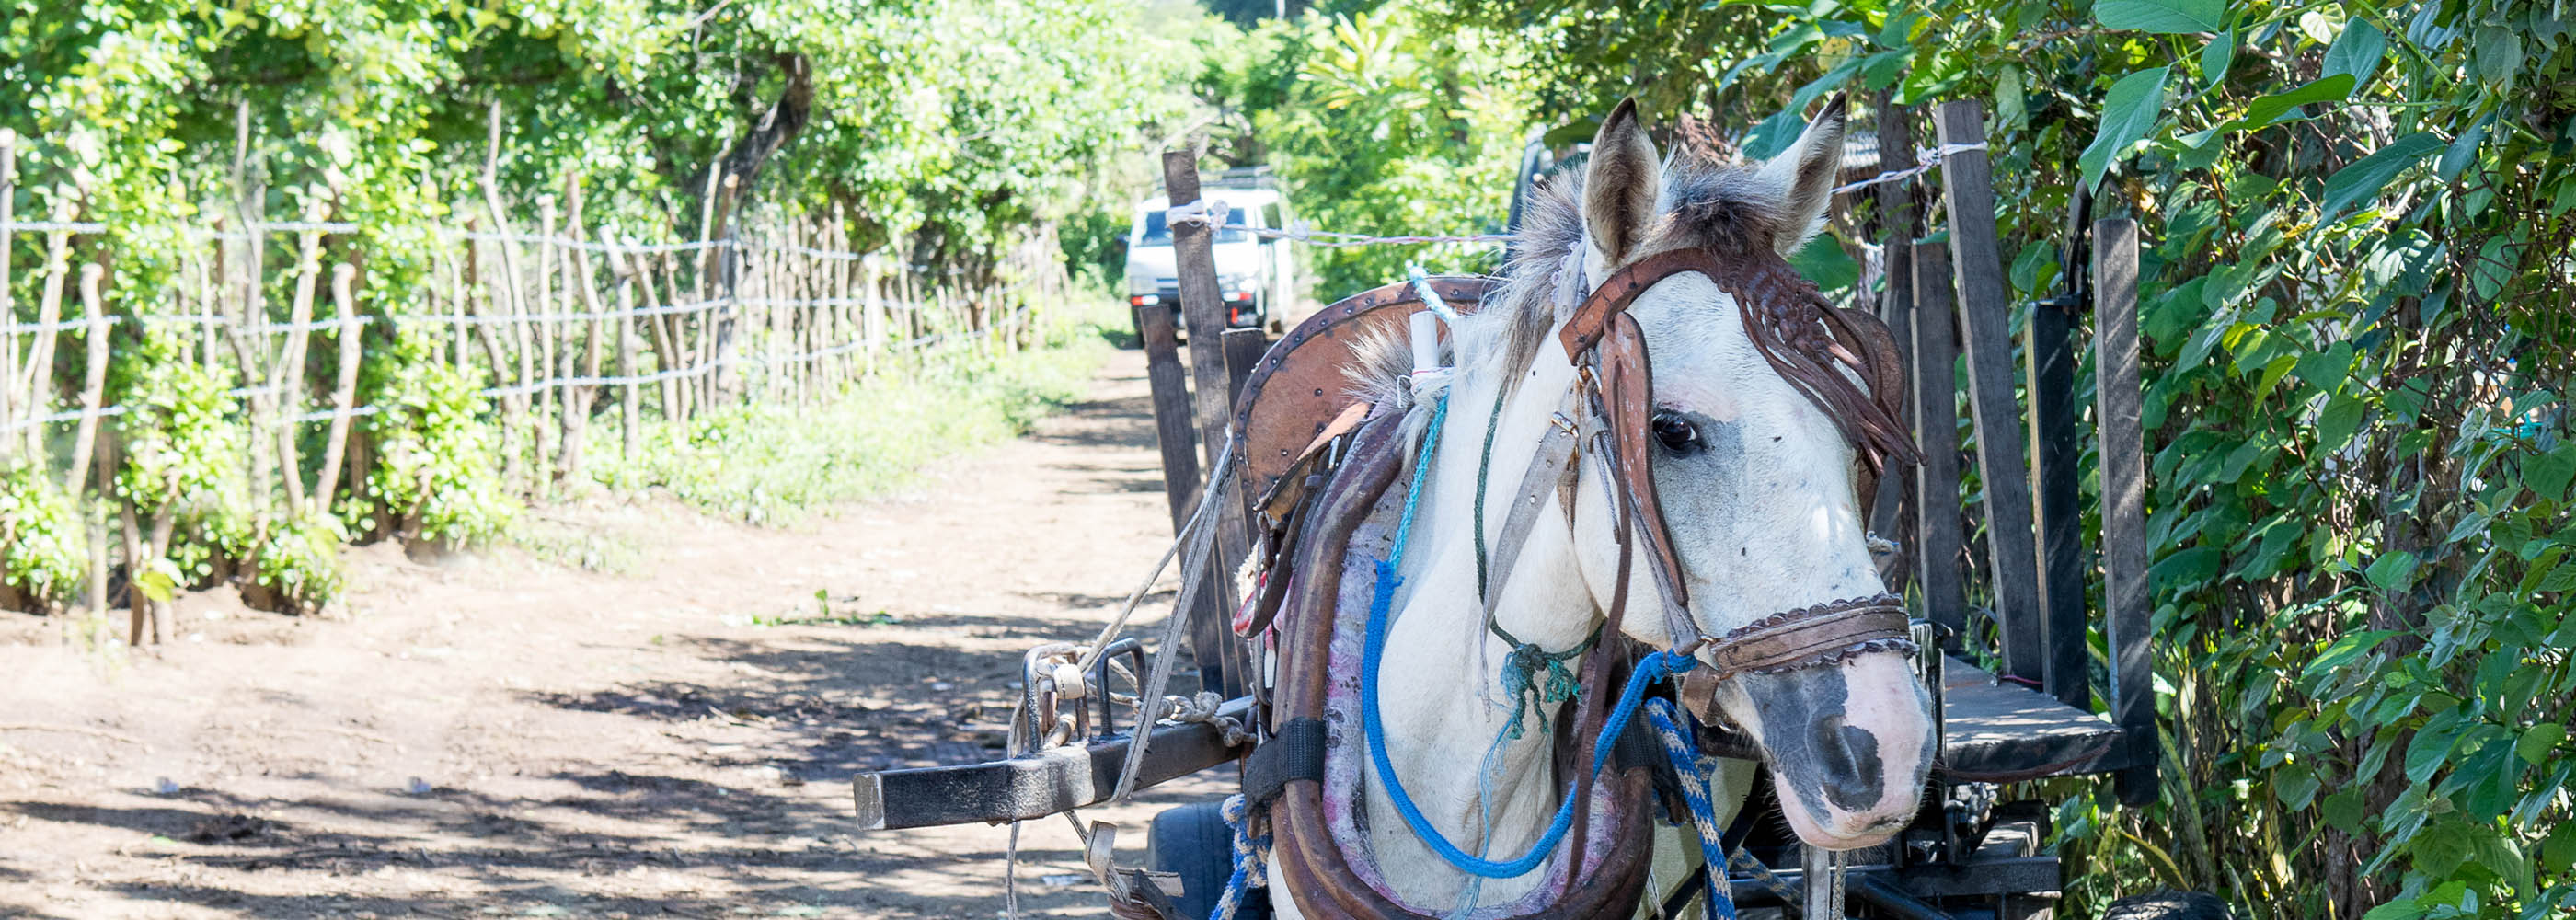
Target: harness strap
[1295,752]
[1549,468]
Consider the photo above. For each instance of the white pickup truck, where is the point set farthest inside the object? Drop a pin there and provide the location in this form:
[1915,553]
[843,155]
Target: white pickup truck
[1254,274]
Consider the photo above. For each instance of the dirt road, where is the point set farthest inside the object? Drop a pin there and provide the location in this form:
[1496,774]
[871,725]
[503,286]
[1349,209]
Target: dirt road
[514,737]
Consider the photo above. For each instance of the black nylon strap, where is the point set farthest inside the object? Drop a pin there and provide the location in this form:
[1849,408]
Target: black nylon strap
[1295,753]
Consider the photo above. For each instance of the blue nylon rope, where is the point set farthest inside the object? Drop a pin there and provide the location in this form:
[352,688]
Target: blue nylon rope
[1695,791]
[1652,668]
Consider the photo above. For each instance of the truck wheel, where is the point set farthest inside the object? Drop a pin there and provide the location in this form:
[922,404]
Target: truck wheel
[1193,842]
[2169,905]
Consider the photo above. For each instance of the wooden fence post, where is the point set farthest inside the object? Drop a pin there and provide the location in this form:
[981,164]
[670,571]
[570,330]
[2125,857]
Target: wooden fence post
[549,398]
[578,399]
[287,377]
[628,417]
[1985,309]
[2127,595]
[39,386]
[8,299]
[1193,246]
[94,387]
[1936,429]
[1892,513]
[344,391]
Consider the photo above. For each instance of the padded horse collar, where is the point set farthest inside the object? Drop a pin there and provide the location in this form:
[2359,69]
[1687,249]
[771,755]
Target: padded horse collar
[1804,339]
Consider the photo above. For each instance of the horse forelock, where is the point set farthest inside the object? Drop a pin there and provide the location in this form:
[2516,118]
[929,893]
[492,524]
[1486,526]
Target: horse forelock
[1728,208]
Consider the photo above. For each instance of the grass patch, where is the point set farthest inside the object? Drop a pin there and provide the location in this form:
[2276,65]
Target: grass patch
[778,464]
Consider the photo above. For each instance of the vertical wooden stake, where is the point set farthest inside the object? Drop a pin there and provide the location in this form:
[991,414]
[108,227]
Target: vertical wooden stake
[287,377]
[95,388]
[2127,594]
[39,386]
[344,391]
[628,418]
[549,399]
[8,300]
[2047,338]
[1891,514]
[1193,246]
[1936,429]
[1985,311]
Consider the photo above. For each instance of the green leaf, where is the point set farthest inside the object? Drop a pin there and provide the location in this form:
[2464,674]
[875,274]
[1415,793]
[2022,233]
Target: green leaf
[2188,568]
[2267,110]
[2549,473]
[2217,57]
[2325,370]
[2394,570]
[2464,148]
[1824,262]
[2163,16]
[2337,422]
[2129,110]
[2498,54]
[2357,51]
[2343,810]
[2538,741]
[2344,651]
[2362,180]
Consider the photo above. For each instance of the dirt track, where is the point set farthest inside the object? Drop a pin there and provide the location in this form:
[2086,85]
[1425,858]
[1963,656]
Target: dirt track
[507,736]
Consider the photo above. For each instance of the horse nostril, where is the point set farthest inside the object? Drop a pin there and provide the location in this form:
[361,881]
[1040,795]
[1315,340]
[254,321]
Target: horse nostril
[1854,779]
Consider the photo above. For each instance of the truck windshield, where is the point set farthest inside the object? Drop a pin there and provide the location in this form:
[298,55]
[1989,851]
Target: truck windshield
[1157,234]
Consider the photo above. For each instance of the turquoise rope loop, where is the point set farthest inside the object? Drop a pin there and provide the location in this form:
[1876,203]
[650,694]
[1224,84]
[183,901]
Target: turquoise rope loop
[1652,668]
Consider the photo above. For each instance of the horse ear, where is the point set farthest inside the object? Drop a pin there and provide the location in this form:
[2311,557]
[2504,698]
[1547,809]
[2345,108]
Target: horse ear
[1620,185]
[1805,176]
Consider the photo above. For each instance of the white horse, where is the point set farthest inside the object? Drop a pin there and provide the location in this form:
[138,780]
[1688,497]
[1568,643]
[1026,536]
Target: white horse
[1758,492]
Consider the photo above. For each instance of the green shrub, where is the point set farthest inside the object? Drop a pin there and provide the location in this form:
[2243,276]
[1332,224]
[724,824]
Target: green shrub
[44,543]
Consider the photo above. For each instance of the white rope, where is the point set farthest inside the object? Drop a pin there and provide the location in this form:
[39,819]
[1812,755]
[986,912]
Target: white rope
[1206,212]
[625,248]
[71,416]
[52,226]
[1925,160]
[58,325]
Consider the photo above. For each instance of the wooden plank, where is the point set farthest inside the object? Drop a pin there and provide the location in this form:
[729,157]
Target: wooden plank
[2124,501]
[1992,730]
[1936,429]
[1194,257]
[1171,393]
[1892,510]
[2054,456]
[1985,314]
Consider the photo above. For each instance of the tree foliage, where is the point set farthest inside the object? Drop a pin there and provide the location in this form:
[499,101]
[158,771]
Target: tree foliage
[945,131]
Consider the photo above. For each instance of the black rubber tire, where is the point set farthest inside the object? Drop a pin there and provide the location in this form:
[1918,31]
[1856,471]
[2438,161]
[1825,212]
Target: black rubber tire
[1193,842]
[2169,905]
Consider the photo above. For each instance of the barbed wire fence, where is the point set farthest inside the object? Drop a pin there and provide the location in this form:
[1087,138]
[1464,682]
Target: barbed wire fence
[561,330]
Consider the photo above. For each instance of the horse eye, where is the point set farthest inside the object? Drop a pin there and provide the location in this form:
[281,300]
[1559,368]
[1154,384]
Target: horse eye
[1678,435]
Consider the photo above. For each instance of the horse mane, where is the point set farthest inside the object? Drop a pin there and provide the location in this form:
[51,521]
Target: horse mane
[1706,203]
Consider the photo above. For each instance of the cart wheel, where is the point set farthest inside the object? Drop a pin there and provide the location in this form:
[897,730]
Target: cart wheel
[1193,842]
[2169,905]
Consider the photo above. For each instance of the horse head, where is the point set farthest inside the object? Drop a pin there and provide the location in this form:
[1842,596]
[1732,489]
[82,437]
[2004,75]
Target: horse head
[1758,481]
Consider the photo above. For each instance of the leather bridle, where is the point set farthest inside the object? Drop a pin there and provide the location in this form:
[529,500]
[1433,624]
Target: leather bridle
[1609,413]
[1810,343]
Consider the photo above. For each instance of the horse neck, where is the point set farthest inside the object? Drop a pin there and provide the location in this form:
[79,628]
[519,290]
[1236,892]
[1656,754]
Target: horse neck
[1445,712]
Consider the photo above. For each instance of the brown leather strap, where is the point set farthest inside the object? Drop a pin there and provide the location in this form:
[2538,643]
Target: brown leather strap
[1819,635]
[1592,320]
[1627,382]
[1551,466]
